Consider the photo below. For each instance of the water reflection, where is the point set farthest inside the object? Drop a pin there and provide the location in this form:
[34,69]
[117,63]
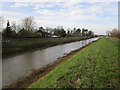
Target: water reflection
[17,67]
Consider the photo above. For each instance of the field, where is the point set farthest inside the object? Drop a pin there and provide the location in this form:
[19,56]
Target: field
[9,48]
[95,66]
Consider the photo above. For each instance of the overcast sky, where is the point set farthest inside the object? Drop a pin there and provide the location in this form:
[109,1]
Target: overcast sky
[96,16]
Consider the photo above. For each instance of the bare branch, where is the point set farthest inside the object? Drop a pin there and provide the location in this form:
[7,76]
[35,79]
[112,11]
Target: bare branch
[28,23]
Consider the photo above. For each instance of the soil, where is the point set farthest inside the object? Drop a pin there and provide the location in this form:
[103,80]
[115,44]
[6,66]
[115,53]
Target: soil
[37,74]
[115,38]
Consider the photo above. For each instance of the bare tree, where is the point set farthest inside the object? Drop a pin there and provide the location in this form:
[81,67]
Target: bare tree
[108,33]
[28,23]
[114,33]
[14,26]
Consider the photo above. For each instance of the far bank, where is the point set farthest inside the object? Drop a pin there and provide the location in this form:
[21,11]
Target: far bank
[19,46]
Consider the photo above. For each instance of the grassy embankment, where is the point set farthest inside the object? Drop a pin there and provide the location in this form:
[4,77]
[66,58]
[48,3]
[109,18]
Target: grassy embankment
[95,66]
[8,48]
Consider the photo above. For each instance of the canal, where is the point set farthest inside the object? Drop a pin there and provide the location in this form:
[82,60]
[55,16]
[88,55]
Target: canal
[19,66]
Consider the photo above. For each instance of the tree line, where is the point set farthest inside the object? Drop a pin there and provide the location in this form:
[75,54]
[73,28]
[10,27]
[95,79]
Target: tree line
[28,29]
[113,33]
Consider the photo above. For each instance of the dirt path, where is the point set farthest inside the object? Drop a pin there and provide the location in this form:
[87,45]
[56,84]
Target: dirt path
[115,38]
[37,74]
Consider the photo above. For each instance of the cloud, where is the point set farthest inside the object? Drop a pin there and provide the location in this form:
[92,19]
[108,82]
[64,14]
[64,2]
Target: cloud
[16,5]
[97,28]
[75,12]
[13,14]
[10,13]
[69,6]
[93,15]
[61,0]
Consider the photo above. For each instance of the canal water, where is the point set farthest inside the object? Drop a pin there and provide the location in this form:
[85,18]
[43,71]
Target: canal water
[17,67]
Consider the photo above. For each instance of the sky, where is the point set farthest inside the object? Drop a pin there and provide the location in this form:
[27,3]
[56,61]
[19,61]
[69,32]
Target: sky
[96,16]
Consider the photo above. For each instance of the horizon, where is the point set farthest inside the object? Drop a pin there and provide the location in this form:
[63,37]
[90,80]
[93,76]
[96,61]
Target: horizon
[96,16]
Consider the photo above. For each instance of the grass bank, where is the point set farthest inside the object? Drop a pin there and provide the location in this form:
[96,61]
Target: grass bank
[8,48]
[95,66]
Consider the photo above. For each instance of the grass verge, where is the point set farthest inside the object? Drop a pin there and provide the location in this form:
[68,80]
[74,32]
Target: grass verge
[10,48]
[95,66]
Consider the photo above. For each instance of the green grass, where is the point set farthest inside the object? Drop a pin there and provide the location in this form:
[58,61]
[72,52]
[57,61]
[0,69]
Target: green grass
[95,66]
